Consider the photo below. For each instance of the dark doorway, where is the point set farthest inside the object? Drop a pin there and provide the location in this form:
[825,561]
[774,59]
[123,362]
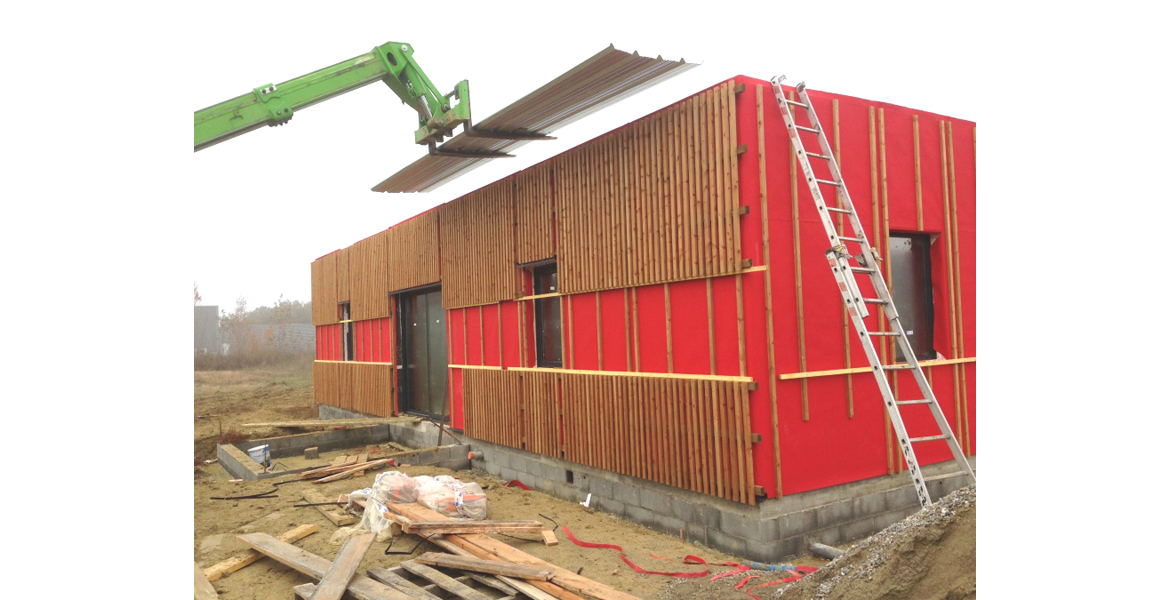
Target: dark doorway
[422,325]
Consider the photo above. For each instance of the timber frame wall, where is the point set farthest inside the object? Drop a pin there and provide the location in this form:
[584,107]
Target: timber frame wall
[704,341]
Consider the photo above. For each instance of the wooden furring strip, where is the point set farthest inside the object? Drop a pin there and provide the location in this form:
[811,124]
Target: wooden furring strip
[769,323]
[799,280]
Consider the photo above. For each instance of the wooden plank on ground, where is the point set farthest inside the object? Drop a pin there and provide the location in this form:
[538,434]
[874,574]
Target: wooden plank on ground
[524,587]
[550,538]
[236,563]
[493,567]
[360,587]
[335,515]
[373,464]
[337,578]
[443,581]
[330,423]
[426,527]
[400,583]
[568,580]
[203,588]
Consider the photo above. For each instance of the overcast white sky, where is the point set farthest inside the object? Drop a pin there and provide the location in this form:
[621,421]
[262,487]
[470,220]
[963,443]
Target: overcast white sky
[267,203]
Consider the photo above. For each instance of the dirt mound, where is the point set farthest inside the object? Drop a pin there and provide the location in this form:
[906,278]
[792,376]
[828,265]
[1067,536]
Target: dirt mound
[930,554]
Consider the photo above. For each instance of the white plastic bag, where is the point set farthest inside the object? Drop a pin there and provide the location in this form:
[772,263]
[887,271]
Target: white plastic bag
[452,498]
[395,487]
[372,518]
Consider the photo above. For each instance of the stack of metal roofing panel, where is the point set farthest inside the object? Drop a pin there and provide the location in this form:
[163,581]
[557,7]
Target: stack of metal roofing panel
[606,78]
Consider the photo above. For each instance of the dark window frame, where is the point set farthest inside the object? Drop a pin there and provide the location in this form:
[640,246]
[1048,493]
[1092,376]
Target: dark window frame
[538,273]
[346,331]
[926,293]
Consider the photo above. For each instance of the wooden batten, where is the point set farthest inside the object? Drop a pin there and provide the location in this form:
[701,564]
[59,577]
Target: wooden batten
[794,191]
[769,323]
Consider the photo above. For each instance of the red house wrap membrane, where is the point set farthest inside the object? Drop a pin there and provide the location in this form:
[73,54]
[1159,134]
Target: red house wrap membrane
[908,172]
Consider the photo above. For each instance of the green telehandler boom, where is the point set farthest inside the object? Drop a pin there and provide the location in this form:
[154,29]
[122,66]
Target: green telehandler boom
[392,63]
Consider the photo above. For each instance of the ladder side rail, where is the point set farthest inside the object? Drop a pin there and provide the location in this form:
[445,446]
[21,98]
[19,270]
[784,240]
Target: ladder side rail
[895,415]
[849,284]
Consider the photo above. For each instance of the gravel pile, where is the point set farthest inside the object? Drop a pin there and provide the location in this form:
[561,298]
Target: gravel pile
[930,554]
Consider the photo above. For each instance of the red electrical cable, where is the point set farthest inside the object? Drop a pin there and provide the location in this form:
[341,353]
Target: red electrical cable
[689,559]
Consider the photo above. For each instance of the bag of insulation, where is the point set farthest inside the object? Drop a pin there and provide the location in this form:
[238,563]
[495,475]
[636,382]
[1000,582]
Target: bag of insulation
[394,487]
[452,498]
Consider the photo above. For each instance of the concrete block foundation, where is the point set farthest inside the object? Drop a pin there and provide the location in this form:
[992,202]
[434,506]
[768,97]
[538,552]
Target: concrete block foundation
[772,531]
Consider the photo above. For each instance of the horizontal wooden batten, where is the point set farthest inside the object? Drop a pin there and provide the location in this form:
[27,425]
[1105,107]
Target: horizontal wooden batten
[758,269]
[481,367]
[363,387]
[923,363]
[692,376]
[355,362]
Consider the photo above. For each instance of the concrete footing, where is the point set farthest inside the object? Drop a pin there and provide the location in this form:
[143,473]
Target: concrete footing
[235,460]
[771,531]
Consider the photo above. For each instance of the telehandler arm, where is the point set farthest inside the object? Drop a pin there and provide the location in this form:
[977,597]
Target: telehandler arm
[392,63]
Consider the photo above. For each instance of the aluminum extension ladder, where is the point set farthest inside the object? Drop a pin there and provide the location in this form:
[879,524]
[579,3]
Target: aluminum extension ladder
[867,259]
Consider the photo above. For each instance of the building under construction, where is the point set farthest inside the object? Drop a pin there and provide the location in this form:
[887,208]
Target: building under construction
[649,318]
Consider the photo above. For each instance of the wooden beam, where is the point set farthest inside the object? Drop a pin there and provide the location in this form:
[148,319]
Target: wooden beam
[741,379]
[443,581]
[235,563]
[332,423]
[493,567]
[845,325]
[769,324]
[923,363]
[203,588]
[479,367]
[429,527]
[795,195]
[335,515]
[337,578]
[360,587]
[399,583]
[360,467]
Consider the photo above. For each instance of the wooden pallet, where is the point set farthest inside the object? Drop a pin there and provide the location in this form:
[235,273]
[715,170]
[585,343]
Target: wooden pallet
[420,582]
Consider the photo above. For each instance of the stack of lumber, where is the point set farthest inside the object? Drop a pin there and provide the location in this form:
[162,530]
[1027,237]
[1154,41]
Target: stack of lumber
[562,583]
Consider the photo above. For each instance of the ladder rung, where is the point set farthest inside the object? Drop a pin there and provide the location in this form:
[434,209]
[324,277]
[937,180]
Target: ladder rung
[850,239]
[889,333]
[909,402]
[874,301]
[794,102]
[844,211]
[808,129]
[862,269]
[897,367]
[945,476]
[929,438]
[815,155]
[827,182]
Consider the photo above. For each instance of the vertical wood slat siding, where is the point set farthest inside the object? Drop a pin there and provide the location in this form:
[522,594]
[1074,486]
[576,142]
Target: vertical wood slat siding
[412,251]
[478,258]
[402,257]
[653,202]
[368,278]
[363,387]
[324,294]
[688,433]
[534,214]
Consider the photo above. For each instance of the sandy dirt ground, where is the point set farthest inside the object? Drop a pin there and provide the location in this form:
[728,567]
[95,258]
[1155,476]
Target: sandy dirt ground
[226,399]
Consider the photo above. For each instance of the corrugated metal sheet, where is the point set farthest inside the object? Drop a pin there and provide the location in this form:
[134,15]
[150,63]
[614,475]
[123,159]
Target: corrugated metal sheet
[606,78]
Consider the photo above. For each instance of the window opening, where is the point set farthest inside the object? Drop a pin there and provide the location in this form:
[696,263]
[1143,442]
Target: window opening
[913,292]
[346,332]
[548,317]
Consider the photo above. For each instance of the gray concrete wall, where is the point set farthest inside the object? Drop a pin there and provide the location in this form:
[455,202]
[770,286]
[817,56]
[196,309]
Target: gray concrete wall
[771,531]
